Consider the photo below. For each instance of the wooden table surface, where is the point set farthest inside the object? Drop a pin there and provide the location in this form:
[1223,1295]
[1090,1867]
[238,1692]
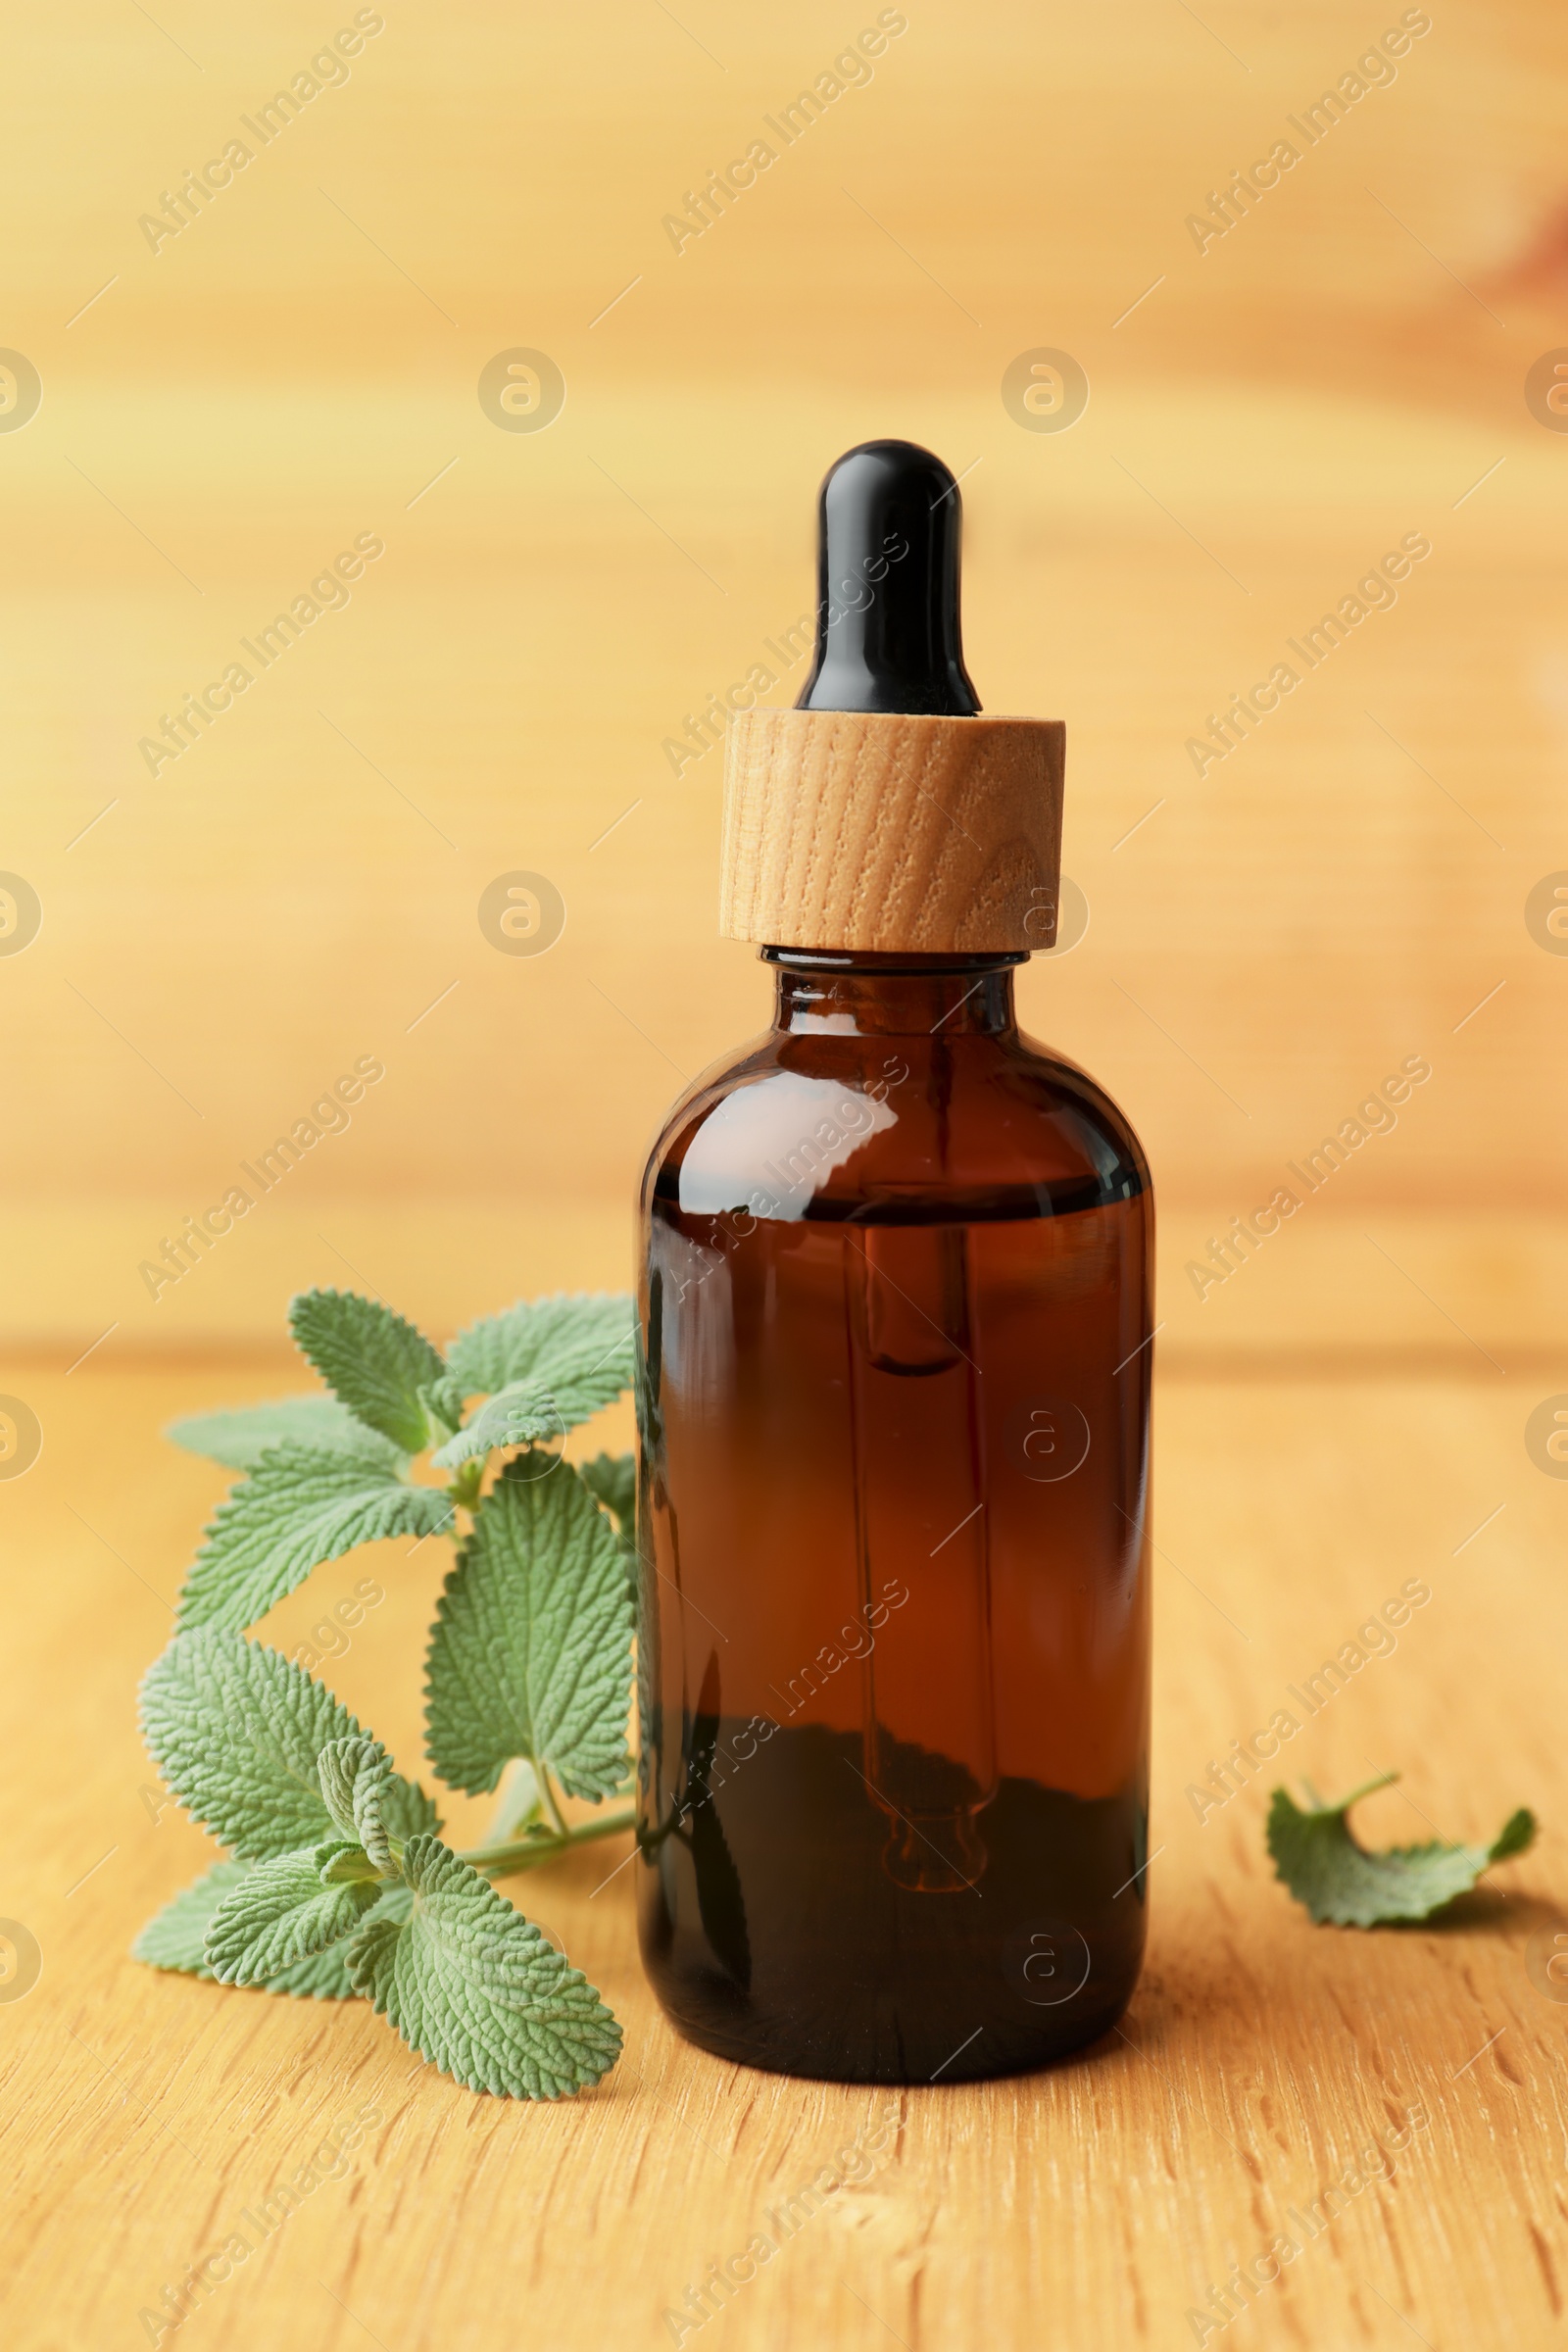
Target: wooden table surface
[222,412]
[1092,2205]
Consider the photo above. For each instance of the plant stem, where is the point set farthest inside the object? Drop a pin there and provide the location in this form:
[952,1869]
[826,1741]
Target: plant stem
[527,1853]
[547,1790]
[464,1490]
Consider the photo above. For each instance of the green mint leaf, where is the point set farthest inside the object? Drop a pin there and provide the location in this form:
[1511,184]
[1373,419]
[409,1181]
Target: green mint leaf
[337,1767]
[612,1480]
[374,1361]
[295,1510]
[354,1775]
[319,1423]
[281,1912]
[177,1937]
[515,1416]
[236,1730]
[576,1347]
[324,1976]
[442,1400]
[473,1986]
[406,1811]
[320,1976]
[530,1654]
[1342,1883]
[344,1863]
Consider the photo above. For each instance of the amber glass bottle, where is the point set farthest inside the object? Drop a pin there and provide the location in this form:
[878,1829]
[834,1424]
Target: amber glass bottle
[894,1412]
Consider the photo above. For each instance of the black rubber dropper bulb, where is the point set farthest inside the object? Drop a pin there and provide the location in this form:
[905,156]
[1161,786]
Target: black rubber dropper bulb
[887,577]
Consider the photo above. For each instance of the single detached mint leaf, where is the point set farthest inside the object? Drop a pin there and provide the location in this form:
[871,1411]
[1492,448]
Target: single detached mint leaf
[320,1424]
[1342,1883]
[177,1938]
[278,1913]
[374,1361]
[576,1347]
[531,1650]
[236,1730]
[355,1776]
[295,1510]
[473,1986]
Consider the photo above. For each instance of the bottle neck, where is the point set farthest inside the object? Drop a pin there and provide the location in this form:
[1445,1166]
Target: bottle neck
[855,995]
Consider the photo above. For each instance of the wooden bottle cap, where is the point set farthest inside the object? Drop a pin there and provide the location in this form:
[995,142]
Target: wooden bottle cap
[891,833]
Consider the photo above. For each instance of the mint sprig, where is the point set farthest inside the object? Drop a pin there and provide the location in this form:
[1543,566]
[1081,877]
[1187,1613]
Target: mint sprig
[1342,1883]
[337,1882]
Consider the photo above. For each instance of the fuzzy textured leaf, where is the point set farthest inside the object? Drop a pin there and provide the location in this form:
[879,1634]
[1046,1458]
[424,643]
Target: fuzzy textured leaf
[612,1480]
[177,1938]
[443,1403]
[520,1415]
[405,1809]
[319,1424]
[531,1650]
[373,1359]
[343,1862]
[295,1510]
[354,1775]
[236,1730]
[279,1913]
[576,1347]
[473,1986]
[1344,1885]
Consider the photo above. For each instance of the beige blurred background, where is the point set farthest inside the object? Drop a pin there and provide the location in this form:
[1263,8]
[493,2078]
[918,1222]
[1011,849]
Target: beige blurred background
[300,365]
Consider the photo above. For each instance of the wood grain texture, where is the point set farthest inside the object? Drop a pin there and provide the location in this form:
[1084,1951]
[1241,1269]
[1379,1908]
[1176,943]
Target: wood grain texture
[861,829]
[1091,2206]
